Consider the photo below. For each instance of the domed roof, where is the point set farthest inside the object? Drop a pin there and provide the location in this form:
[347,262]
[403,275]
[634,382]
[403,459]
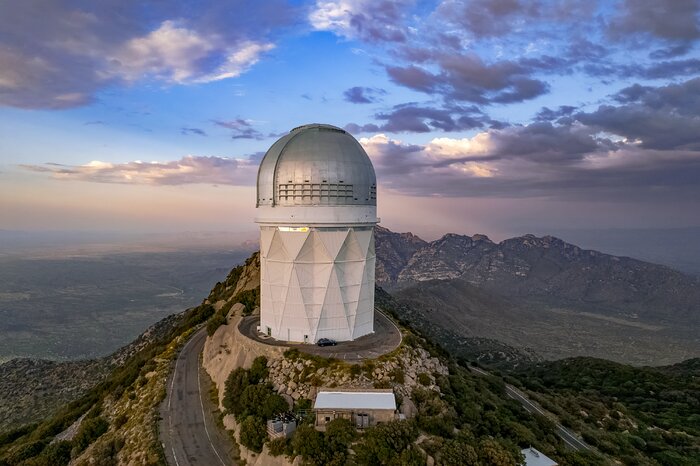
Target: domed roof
[316,165]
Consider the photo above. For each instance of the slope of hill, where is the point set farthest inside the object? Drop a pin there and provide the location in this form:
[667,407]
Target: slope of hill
[547,295]
[633,413]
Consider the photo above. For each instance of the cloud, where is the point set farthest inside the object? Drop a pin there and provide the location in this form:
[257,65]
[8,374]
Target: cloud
[571,160]
[469,78]
[188,170]
[416,118]
[673,20]
[197,131]
[173,53]
[666,117]
[240,129]
[369,20]
[363,95]
[547,114]
[68,53]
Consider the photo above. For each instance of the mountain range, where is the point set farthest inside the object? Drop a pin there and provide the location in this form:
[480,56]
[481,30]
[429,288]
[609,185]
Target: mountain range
[543,295]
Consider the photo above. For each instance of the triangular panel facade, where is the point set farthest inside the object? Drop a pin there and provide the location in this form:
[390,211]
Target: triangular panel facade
[317,283]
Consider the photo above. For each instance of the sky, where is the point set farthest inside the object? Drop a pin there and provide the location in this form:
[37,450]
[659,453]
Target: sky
[481,116]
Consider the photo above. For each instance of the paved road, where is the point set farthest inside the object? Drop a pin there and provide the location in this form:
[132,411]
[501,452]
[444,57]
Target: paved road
[386,338]
[188,430]
[530,406]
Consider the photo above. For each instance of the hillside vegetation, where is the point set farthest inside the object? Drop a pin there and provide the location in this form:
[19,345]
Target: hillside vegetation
[640,415]
[634,416]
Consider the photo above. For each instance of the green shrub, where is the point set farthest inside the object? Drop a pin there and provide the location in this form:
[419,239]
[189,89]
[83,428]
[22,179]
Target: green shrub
[273,405]
[258,370]
[253,433]
[411,456]
[89,431]
[383,443]
[11,435]
[120,420]
[457,453]
[249,298]
[382,384]
[236,383]
[311,445]
[424,379]
[340,433]
[277,446]
[56,454]
[215,322]
[398,376]
[27,450]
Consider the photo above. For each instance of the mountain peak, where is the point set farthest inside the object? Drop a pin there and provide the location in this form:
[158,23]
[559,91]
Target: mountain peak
[480,237]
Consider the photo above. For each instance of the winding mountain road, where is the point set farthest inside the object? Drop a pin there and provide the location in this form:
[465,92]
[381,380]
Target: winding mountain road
[188,429]
[530,406]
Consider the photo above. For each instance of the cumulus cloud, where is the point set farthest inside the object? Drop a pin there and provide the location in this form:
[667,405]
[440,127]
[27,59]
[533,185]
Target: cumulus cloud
[176,54]
[488,18]
[57,54]
[371,20]
[665,117]
[469,78]
[188,170]
[416,118]
[363,95]
[441,49]
[571,160]
[675,20]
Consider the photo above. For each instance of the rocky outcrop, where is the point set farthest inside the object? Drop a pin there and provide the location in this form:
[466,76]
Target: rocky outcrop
[250,277]
[394,250]
[300,376]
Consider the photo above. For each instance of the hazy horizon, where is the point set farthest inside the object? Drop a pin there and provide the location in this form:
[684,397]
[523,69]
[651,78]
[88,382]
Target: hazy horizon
[678,248]
[477,116]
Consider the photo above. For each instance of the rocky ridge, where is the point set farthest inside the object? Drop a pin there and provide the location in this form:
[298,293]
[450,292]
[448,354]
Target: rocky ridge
[544,296]
[547,269]
[300,377]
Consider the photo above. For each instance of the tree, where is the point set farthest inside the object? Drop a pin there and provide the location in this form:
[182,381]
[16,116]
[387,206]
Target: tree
[90,430]
[382,443]
[273,405]
[411,456]
[311,445]
[253,433]
[277,446]
[340,433]
[456,453]
[235,384]
[258,371]
[491,452]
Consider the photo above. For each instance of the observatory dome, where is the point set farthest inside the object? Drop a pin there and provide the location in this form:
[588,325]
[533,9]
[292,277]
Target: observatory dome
[316,165]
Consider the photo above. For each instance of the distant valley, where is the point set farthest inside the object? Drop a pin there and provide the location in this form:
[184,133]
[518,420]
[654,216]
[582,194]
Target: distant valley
[70,307]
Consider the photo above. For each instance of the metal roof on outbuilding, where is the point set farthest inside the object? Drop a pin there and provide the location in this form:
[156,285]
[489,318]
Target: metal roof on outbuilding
[534,457]
[355,400]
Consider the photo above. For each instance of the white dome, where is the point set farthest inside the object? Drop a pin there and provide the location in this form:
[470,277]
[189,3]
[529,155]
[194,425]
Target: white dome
[316,165]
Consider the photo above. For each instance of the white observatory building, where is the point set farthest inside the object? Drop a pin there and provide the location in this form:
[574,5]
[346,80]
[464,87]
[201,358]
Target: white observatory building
[317,208]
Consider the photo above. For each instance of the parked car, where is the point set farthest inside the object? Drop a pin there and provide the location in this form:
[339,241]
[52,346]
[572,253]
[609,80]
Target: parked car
[326,342]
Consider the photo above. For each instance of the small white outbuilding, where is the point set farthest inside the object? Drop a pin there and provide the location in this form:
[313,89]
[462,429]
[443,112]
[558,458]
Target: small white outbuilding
[534,457]
[364,408]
